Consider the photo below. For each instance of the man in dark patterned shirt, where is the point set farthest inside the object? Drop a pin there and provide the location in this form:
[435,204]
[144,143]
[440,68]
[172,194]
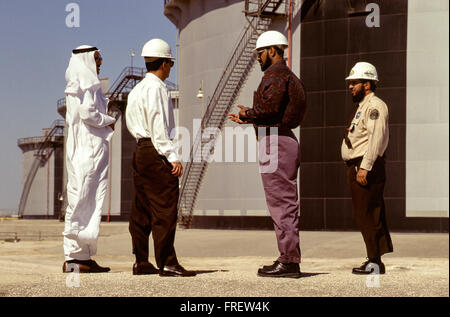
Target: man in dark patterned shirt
[279,105]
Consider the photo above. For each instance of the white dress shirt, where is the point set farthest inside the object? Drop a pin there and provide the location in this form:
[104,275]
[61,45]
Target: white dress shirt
[149,114]
[369,132]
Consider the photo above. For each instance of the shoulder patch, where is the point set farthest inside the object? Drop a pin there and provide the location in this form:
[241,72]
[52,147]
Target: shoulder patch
[374,114]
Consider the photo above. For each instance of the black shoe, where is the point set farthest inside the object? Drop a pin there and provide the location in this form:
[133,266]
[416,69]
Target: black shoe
[279,269]
[95,268]
[83,266]
[175,270]
[271,267]
[144,268]
[370,267]
[77,266]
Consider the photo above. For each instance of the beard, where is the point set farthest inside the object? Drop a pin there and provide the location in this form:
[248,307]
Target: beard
[266,64]
[359,96]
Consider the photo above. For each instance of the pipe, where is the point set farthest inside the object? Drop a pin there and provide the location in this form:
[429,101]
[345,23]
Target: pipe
[108,218]
[290,35]
[48,187]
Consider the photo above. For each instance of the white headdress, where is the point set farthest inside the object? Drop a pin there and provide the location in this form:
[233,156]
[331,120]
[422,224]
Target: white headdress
[82,70]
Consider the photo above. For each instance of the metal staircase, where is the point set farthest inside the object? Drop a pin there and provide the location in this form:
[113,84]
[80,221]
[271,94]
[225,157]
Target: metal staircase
[259,14]
[42,155]
[264,8]
[128,78]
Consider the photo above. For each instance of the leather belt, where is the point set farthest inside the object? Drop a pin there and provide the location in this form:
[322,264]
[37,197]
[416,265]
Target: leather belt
[141,140]
[354,162]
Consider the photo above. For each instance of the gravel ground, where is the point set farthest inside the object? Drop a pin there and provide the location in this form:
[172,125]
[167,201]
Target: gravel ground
[227,261]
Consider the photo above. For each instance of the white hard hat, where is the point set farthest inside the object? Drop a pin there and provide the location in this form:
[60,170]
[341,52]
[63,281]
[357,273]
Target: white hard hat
[157,48]
[363,70]
[271,38]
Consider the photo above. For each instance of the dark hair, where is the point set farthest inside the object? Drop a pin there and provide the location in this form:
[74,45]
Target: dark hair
[373,85]
[156,64]
[279,51]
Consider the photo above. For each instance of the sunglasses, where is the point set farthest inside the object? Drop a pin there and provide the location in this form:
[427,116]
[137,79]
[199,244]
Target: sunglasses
[259,53]
[354,82]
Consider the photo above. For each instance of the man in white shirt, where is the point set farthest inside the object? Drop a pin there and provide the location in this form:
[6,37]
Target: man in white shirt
[365,142]
[89,130]
[156,166]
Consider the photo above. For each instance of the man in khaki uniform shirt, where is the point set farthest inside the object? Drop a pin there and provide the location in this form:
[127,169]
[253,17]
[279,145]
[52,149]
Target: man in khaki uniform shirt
[363,147]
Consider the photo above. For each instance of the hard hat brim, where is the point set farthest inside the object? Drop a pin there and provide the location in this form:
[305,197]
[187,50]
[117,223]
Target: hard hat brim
[360,77]
[157,57]
[255,50]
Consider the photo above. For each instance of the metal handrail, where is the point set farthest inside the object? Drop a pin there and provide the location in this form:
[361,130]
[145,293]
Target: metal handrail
[237,53]
[261,6]
[213,102]
[41,139]
[38,139]
[127,71]
[124,75]
[224,95]
[41,156]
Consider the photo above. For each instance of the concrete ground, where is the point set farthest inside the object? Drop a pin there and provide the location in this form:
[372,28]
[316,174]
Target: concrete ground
[226,260]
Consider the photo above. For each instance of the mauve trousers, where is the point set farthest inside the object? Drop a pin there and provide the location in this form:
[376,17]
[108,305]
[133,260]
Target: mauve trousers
[154,208]
[279,163]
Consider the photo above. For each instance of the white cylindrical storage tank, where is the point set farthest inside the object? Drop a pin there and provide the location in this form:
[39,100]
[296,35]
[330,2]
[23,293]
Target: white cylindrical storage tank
[231,192]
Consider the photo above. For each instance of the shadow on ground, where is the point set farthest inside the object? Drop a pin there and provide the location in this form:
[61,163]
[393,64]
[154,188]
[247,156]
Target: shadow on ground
[209,271]
[305,274]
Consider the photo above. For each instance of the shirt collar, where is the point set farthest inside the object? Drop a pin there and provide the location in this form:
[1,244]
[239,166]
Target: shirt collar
[366,99]
[153,77]
[275,66]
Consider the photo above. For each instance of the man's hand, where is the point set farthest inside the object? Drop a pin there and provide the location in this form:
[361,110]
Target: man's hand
[241,115]
[234,117]
[113,110]
[177,169]
[361,177]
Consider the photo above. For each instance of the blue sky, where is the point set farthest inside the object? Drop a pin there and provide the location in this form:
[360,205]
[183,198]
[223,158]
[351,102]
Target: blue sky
[35,49]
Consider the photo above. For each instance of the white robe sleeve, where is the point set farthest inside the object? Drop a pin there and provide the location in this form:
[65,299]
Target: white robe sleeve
[91,115]
[159,125]
[378,130]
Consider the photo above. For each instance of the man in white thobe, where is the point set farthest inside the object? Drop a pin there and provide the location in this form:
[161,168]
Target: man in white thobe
[89,130]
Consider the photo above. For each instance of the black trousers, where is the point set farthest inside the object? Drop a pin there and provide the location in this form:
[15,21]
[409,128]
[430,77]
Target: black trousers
[368,207]
[154,209]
